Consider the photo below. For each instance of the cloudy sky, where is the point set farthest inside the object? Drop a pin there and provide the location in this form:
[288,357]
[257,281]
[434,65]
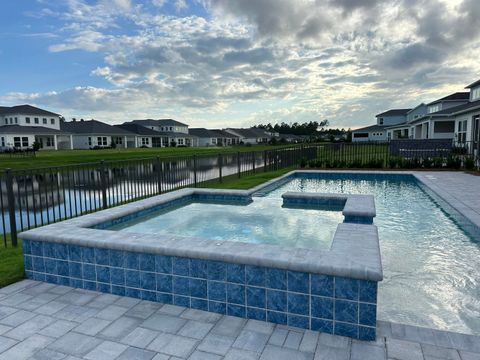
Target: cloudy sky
[236,62]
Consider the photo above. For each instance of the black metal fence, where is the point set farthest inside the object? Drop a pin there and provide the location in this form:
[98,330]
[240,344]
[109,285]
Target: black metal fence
[34,197]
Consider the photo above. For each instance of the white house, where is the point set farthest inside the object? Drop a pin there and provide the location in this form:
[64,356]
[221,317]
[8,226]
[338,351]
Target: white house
[204,136]
[249,135]
[23,125]
[378,132]
[175,132]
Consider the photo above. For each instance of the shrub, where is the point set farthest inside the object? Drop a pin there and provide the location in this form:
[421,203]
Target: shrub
[303,163]
[427,163]
[454,162]
[469,163]
[438,162]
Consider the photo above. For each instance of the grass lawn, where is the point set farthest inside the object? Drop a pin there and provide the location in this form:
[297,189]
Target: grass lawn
[11,259]
[51,158]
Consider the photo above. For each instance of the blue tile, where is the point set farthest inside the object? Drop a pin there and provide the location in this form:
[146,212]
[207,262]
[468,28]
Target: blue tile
[366,333]
[298,321]
[236,310]
[181,286]
[27,248]
[74,253]
[276,279]
[63,280]
[148,295]
[89,272]
[255,275]
[346,311]
[236,294]
[37,248]
[198,268]
[132,278]
[52,279]
[163,264]
[217,271]
[118,290]
[134,293]
[164,298]
[298,304]
[28,263]
[90,285]
[51,266]
[277,317]
[88,255]
[277,300]
[75,269]
[199,304]
[181,266]
[117,258]
[62,267]
[368,291]
[256,314]
[102,256]
[164,283]
[147,262]
[49,250]
[105,288]
[346,288]
[298,282]
[181,300]
[103,274]
[198,288]
[256,297]
[322,325]
[236,273]
[118,277]
[347,330]
[322,307]
[217,307]
[147,281]
[217,291]
[131,260]
[322,285]
[367,314]
[29,274]
[76,283]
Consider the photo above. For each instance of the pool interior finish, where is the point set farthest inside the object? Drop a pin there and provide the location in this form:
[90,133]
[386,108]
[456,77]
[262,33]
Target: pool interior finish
[263,221]
[431,264]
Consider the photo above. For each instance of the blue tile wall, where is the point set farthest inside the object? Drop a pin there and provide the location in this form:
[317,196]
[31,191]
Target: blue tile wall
[335,305]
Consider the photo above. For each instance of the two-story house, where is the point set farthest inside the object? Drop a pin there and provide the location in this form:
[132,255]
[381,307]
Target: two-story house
[174,132]
[378,132]
[23,125]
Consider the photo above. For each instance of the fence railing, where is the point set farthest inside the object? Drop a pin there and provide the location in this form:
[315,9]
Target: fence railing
[34,197]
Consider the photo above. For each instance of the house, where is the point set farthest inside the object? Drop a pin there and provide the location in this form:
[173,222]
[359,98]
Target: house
[23,125]
[405,130]
[145,137]
[89,134]
[250,135]
[176,132]
[378,132]
[225,138]
[204,136]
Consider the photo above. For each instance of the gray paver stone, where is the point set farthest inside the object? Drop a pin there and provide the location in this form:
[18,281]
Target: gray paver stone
[251,340]
[326,352]
[280,353]
[173,345]
[75,344]
[107,350]
[237,354]
[229,326]
[366,351]
[25,349]
[133,353]
[216,344]
[120,328]
[58,328]
[293,340]
[140,337]
[403,350]
[440,352]
[47,354]
[92,326]
[165,323]
[200,355]
[309,341]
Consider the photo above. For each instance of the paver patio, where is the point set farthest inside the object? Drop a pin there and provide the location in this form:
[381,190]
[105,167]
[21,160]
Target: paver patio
[41,321]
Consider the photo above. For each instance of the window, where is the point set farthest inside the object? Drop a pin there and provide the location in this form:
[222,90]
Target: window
[434,108]
[119,140]
[11,120]
[52,121]
[89,141]
[3,141]
[16,142]
[6,121]
[49,141]
[27,120]
[380,121]
[180,142]
[102,141]
[171,128]
[476,93]
[16,120]
[36,120]
[462,131]
[360,135]
[25,141]
[145,141]
[44,120]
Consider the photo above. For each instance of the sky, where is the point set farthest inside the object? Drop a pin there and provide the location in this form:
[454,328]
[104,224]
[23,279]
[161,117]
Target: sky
[227,63]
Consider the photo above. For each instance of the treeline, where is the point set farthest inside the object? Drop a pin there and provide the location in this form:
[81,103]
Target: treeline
[296,128]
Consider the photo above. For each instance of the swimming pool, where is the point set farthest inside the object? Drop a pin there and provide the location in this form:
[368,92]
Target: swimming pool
[431,264]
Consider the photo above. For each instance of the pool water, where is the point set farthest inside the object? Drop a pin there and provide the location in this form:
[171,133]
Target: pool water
[263,221]
[431,266]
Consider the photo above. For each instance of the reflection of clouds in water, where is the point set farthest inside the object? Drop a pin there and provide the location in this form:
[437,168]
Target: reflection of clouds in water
[263,221]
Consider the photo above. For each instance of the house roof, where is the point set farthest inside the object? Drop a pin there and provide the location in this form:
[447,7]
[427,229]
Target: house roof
[223,133]
[472,85]
[92,127]
[458,96]
[371,128]
[140,129]
[202,133]
[394,112]
[30,130]
[248,132]
[416,107]
[25,109]
[158,122]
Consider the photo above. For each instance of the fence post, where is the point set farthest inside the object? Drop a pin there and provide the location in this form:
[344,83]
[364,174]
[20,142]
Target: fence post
[195,170]
[220,164]
[159,175]
[11,206]
[253,161]
[265,160]
[238,164]
[103,184]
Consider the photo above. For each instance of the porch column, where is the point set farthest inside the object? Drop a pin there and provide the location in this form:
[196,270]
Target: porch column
[125,142]
[71,142]
[55,141]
